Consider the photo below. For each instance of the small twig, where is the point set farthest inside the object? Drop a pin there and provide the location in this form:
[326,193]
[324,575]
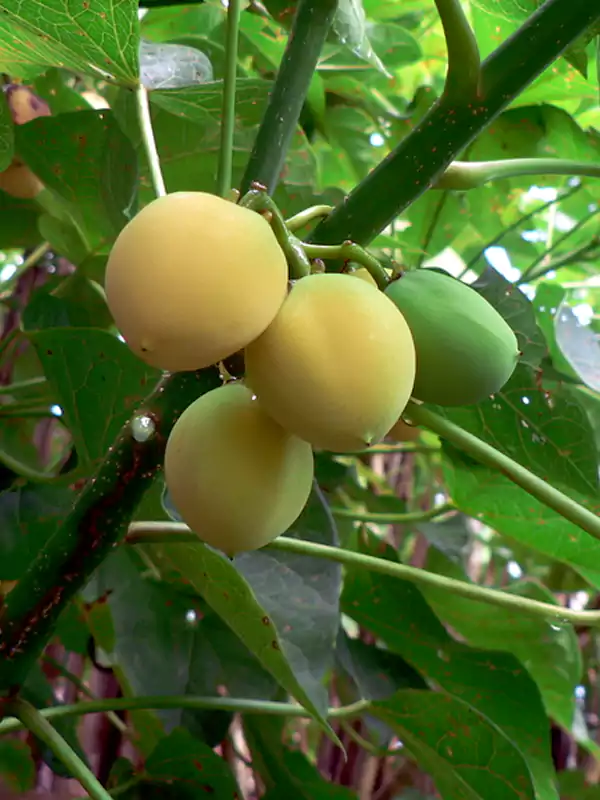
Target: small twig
[141,95]
[229,89]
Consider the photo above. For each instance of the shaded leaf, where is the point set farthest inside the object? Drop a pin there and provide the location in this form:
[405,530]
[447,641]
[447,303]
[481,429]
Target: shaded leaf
[494,684]
[466,754]
[17,767]
[98,382]
[191,766]
[549,652]
[510,302]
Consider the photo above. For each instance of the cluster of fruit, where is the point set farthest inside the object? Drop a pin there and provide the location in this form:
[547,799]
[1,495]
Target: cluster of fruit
[331,362]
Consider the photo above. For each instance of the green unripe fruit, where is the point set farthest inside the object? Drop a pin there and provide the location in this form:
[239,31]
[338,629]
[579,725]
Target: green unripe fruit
[465,349]
[194,278]
[235,476]
[337,364]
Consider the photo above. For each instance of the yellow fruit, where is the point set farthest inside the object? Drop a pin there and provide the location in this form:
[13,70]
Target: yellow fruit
[234,475]
[364,275]
[337,364]
[192,279]
[402,432]
[19,181]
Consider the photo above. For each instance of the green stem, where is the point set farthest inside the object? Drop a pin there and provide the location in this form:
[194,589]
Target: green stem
[419,576]
[586,252]
[531,269]
[513,226]
[307,216]
[125,788]
[258,200]
[383,518]
[145,120]
[24,470]
[241,705]
[386,449]
[22,386]
[37,723]
[349,251]
[309,30]
[464,62]
[488,455]
[98,519]
[229,86]
[421,158]
[177,533]
[32,259]
[464,175]
[435,218]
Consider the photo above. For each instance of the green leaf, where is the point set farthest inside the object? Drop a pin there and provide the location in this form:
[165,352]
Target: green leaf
[203,104]
[284,772]
[547,432]
[18,222]
[550,652]
[190,766]
[301,595]
[98,382]
[489,497]
[272,620]
[78,38]
[510,302]
[494,684]
[29,515]
[7,133]
[17,767]
[468,756]
[88,161]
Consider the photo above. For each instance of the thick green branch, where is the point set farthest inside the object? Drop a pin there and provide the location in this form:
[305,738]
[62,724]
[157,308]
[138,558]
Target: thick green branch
[232,704]
[464,175]
[488,455]
[174,532]
[98,520]
[307,36]
[420,159]
[38,724]
[464,63]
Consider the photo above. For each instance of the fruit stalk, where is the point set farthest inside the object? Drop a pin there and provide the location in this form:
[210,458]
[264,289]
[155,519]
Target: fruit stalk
[145,120]
[421,158]
[464,175]
[309,31]
[98,520]
[228,113]
[349,251]
[490,457]
[258,200]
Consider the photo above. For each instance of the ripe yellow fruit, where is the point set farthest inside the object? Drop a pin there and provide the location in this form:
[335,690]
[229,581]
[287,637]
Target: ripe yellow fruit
[194,278]
[337,364]
[364,275]
[19,181]
[235,476]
